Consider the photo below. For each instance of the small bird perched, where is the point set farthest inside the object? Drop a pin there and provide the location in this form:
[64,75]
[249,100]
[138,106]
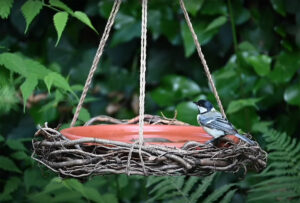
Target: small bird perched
[215,124]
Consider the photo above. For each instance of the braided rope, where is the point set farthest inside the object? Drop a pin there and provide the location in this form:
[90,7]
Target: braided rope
[142,71]
[142,79]
[201,55]
[97,57]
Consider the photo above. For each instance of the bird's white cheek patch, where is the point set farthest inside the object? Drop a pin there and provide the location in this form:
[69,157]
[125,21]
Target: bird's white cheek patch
[213,132]
[201,109]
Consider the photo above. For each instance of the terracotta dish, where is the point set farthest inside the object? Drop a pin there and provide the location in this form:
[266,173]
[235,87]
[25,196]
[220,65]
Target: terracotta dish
[164,135]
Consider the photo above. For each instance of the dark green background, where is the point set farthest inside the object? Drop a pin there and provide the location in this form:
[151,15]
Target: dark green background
[251,47]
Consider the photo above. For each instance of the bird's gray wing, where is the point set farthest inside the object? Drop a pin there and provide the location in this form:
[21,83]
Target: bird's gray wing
[215,120]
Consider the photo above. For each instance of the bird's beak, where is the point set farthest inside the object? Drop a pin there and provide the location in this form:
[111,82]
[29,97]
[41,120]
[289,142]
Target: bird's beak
[195,103]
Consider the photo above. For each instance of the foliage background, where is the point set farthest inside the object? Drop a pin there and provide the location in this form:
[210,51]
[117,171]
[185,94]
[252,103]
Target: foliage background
[252,49]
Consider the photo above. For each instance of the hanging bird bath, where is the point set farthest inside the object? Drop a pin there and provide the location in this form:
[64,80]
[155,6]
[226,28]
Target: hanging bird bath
[145,145]
[170,147]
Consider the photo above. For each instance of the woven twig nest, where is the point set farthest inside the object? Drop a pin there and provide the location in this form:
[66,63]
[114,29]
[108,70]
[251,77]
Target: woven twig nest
[91,156]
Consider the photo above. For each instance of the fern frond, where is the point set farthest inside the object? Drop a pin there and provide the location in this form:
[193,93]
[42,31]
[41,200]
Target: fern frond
[283,172]
[165,187]
[272,196]
[152,180]
[189,184]
[227,198]
[202,188]
[219,192]
[275,187]
[182,189]
[283,179]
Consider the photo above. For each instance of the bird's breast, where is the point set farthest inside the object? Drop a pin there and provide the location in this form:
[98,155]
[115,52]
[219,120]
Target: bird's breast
[214,132]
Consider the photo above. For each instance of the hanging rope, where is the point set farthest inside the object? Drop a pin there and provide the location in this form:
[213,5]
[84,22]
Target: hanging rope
[210,80]
[142,79]
[143,71]
[97,57]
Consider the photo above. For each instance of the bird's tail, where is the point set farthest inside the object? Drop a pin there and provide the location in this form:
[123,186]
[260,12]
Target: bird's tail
[244,139]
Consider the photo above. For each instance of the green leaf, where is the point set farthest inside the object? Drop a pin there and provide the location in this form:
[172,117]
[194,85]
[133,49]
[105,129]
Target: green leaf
[189,184]
[247,47]
[33,177]
[163,97]
[126,34]
[61,5]
[60,21]
[2,139]
[174,88]
[105,8]
[213,7]
[5,6]
[48,81]
[193,6]
[30,10]
[57,80]
[261,64]
[237,105]
[27,89]
[153,180]
[261,126]
[287,64]
[110,198]
[15,145]
[23,66]
[8,165]
[280,30]
[92,194]
[228,197]
[84,115]
[227,87]
[203,36]
[216,23]
[218,193]
[9,99]
[84,18]
[35,69]
[292,94]
[12,184]
[123,180]
[241,14]
[20,155]
[188,42]
[279,7]
[287,45]
[74,184]
[54,184]
[187,112]
[201,188]
[13,62]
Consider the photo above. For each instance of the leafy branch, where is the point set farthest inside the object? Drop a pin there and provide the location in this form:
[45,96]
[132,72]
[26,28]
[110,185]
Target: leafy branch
[31,8]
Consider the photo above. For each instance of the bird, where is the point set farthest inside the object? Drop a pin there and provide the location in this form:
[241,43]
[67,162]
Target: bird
[215,124]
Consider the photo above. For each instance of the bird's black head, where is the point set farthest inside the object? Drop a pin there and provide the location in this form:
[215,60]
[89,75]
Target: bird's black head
[204,104]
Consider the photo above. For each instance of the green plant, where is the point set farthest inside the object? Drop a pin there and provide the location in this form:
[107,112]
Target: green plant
[188,189]
[280,180]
